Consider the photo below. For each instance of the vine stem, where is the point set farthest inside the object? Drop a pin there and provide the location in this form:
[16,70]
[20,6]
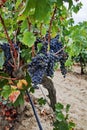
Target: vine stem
[60,50]
[41,29]
[29,23]
[12,49]
[29,28]
[2,77]
[50,26]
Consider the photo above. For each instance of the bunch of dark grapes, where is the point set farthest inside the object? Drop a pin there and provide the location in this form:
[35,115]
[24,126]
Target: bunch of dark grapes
[37,68]
[40,66]
[52,59]
[43,63]
[55,45]
[62,65]
[7,66]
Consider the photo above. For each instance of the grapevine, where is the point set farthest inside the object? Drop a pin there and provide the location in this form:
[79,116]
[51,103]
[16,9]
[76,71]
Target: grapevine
[31,20]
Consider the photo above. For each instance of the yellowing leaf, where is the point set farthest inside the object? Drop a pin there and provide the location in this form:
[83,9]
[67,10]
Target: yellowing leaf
[24,82]
[14,95]
[13,86]
[19,85]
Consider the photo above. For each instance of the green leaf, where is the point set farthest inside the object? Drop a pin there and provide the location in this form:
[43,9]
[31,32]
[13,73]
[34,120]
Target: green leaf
[77,7]
[32,90]
[60,116]
[71,125]
[24,26]
[28,79]
[38,10]
[28,8]
[53,1]
[42,9]
[5,94]
[63,125]
[70,2]
[20,100]
[59,2]
[59,107]
[18,3]
[69,63]
[28,38]
[3,82]
[42,101]
[67,108]
[6,87]
[39,46]
[6,91]
[26,54]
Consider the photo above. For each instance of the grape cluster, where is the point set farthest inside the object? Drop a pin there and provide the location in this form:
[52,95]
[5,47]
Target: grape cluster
[55,45]
[37,68]
[40,66]
[43,63]
[8,58]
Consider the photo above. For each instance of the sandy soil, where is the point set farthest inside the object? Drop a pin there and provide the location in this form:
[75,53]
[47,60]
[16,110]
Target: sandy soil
[71,90]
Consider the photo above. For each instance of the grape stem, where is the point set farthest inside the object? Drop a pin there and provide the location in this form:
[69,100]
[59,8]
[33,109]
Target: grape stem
[11,64]
[2,77]
[12,49]
[29,28]
[60,50]
[50,27]
[29,23]
[41,25]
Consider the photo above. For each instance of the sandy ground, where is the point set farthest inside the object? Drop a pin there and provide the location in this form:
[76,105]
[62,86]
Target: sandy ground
[71,90]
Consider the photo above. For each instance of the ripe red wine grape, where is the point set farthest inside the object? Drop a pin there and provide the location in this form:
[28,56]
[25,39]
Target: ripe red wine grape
[8,58]
[36,69]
